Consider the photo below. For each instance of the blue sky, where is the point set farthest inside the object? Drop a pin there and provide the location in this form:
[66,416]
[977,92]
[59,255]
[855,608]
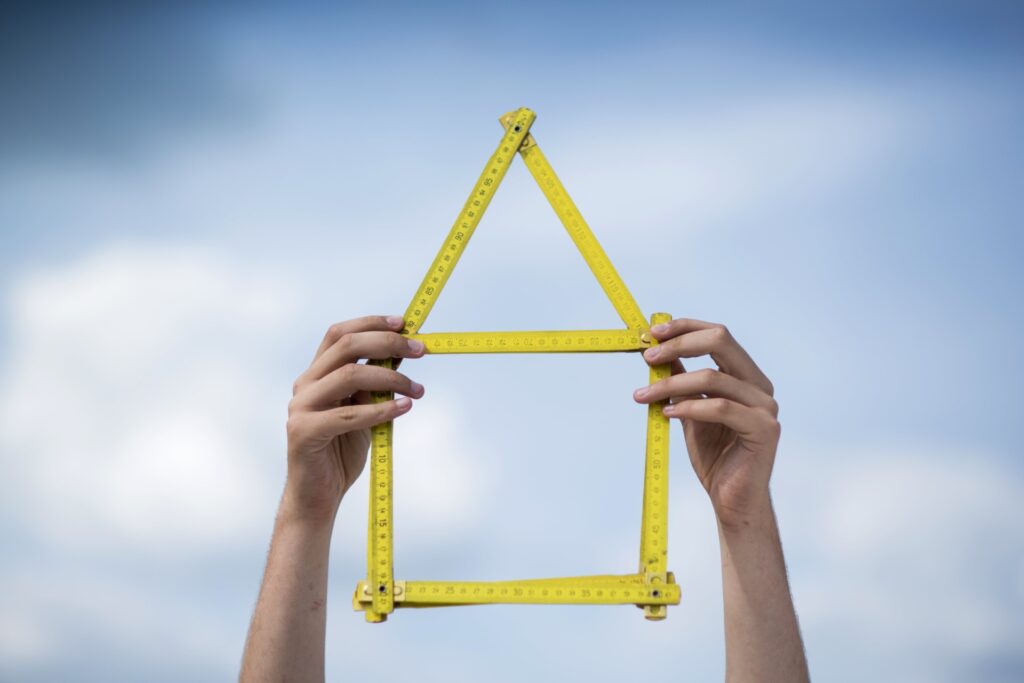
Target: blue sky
[189,196]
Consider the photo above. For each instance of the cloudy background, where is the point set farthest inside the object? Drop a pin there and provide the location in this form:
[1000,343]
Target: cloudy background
[189,197]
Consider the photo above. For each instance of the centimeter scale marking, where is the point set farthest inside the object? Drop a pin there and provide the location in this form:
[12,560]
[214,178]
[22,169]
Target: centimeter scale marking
[579,231]
[653,588]
[381,570]
[603,590]
[469,218]
[533,342]
[654,524]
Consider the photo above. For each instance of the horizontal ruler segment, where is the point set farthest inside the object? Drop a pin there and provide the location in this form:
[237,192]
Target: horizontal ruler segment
[629,589]
[549,341]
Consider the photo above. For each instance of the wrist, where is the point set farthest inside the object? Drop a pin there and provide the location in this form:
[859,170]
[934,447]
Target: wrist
[755,513]
[296,510]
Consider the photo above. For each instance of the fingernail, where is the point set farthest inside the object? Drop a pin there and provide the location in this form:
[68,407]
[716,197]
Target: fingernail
[640,393]
[395,321]
[651,353]
[403,404]
[416,387]
[668,410]
[416,346]
[659,328]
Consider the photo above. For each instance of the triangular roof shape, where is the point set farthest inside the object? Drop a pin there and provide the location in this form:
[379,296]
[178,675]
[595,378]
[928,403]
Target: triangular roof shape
[517,138]
[652,587]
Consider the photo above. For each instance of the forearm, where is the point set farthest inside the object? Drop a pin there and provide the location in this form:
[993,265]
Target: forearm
[286,637]
[762,638]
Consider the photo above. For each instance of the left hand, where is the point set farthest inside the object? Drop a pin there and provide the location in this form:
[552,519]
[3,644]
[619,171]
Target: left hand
[729,415]
[332,411]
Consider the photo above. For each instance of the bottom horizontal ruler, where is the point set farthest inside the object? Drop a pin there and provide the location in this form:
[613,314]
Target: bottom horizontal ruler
[626,589]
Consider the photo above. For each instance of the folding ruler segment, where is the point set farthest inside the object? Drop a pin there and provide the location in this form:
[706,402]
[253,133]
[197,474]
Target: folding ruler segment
[653,588]
[578,230]
[628,589]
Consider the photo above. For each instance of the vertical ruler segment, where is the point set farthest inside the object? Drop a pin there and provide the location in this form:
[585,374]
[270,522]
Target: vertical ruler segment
[371,616]
[381,575]
[653,587]
[458,237]
[654,524]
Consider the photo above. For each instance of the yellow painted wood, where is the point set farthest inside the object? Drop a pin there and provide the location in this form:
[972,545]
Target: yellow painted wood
[630,589]
[653,588]
[467,220]
[552,341]
[654,524]
[600,265]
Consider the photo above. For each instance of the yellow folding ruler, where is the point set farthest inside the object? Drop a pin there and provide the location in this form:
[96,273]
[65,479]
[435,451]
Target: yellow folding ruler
[652,587]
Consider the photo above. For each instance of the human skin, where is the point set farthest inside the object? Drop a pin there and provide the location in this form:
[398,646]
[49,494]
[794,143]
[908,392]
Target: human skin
[730,423]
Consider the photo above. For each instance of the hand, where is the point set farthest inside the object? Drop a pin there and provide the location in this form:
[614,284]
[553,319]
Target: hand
[331,412]
[729,416]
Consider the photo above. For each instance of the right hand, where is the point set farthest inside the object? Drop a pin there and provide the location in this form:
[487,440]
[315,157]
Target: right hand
[730,417]
[331,411]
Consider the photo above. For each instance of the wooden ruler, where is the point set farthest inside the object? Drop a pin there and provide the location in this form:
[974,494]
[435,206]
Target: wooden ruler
[653,587]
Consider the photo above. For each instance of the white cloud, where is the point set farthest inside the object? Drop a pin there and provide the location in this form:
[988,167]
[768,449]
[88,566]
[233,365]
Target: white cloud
[755,154]
[441,485]
[129,407]
[442,482]
[911,555]
[141,414]
[46,610]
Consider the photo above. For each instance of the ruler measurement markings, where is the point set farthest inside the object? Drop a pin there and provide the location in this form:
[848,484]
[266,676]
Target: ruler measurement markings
[653,588]
[467,221]
[549,341]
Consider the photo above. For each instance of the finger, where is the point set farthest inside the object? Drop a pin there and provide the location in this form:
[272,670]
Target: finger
[326,424]
[364,397]
[364,324]
[345,381]
[355,345]
[674,328]
[710,383]
[686,338]
[752,424]
[676,368]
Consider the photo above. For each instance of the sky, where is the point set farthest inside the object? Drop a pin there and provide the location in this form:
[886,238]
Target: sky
[190,196]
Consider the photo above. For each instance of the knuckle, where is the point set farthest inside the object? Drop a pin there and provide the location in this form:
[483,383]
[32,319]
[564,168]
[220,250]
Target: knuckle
[335,331]
[348,373]
[774,427]
[773,407]
[720,333]
[720,406]
[707,378]
[294,427]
